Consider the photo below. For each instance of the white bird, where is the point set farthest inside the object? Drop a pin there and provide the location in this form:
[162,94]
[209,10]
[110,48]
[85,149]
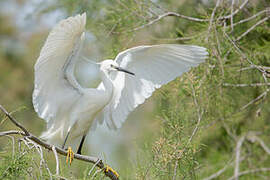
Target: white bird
[71,109]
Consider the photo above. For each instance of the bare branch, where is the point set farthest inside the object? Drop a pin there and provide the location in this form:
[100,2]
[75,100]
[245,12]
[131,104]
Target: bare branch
[57,160]
[227,129]
[237,156]
[93,168]
[252,17]
[253,138]
[254,66]
[175,170]
[241,53]
[167,14]
[12,132]
[97,171]
[199,114]
[175,39]
[246,85]
[13,144]
[212,19]
[251,28]
[232,14]
[256,99]
[218,173]
[14,121]
[235,12]
[250,171]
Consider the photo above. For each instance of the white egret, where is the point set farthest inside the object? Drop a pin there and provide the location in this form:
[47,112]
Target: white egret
[71,109]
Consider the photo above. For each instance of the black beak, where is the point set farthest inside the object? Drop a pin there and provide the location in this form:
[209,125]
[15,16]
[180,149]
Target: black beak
[123,70]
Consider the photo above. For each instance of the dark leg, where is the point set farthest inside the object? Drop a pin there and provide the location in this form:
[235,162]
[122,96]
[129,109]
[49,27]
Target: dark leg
[81,144]
[63,146]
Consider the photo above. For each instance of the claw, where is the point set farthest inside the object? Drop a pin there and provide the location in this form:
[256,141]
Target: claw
[70,156]
[108,169]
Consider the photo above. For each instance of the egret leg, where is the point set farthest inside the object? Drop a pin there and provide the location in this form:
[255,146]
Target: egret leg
[81,144]
[63,146]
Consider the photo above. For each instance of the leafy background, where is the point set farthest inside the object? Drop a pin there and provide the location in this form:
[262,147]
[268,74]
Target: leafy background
[192,128]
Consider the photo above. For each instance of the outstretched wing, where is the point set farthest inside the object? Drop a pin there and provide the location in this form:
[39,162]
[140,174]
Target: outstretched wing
[55,84]
[153,66]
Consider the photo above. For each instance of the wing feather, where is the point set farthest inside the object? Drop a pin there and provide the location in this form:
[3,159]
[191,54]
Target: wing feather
[153,66]
[53,85]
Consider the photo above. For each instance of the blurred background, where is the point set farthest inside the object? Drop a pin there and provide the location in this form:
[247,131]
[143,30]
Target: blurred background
[191,127]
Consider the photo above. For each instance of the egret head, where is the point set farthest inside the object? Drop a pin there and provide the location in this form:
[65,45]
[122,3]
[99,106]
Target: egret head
[111,65]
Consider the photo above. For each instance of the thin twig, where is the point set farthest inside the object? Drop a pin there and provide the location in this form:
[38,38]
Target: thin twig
[241,53]
[254,138]
[222,170]
[251,28]
[135,13]
[167,14]
[250,171]
[256,99]
[97,171]
[43,161]
[232,15]
[12,132]
[227,129]
[251,17]
[40,152]
[175,39]
[56,160]
[237,156]
[13,144]
[14,121]
[235,12]
[25,142]
[199,114]
[246,85]
[254,66]
[175,170]
[212,19]
[93,167]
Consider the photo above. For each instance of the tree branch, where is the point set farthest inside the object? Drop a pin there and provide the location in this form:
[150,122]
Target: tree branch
[14,121]
[253,138]
[219,172]
[246,85]
[166,15]
[237,156]
[28,135]
[235,12]
[212,19]
[250,171]
[251,28]
[252,17]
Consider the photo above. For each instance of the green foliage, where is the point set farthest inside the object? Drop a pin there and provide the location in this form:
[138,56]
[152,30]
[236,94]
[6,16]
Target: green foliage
[13,166]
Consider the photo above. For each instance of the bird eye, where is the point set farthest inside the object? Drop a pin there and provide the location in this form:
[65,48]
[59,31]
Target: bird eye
[111,65]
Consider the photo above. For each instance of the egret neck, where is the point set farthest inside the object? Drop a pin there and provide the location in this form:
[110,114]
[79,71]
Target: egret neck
[107,82]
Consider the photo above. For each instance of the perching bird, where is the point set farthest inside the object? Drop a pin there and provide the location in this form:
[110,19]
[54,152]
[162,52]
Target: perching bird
[71,109]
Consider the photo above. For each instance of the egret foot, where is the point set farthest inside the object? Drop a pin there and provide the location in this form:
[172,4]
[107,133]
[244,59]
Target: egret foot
[70,156]
[108,169]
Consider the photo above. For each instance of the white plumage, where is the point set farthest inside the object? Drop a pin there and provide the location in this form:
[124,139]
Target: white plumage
[67,106]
